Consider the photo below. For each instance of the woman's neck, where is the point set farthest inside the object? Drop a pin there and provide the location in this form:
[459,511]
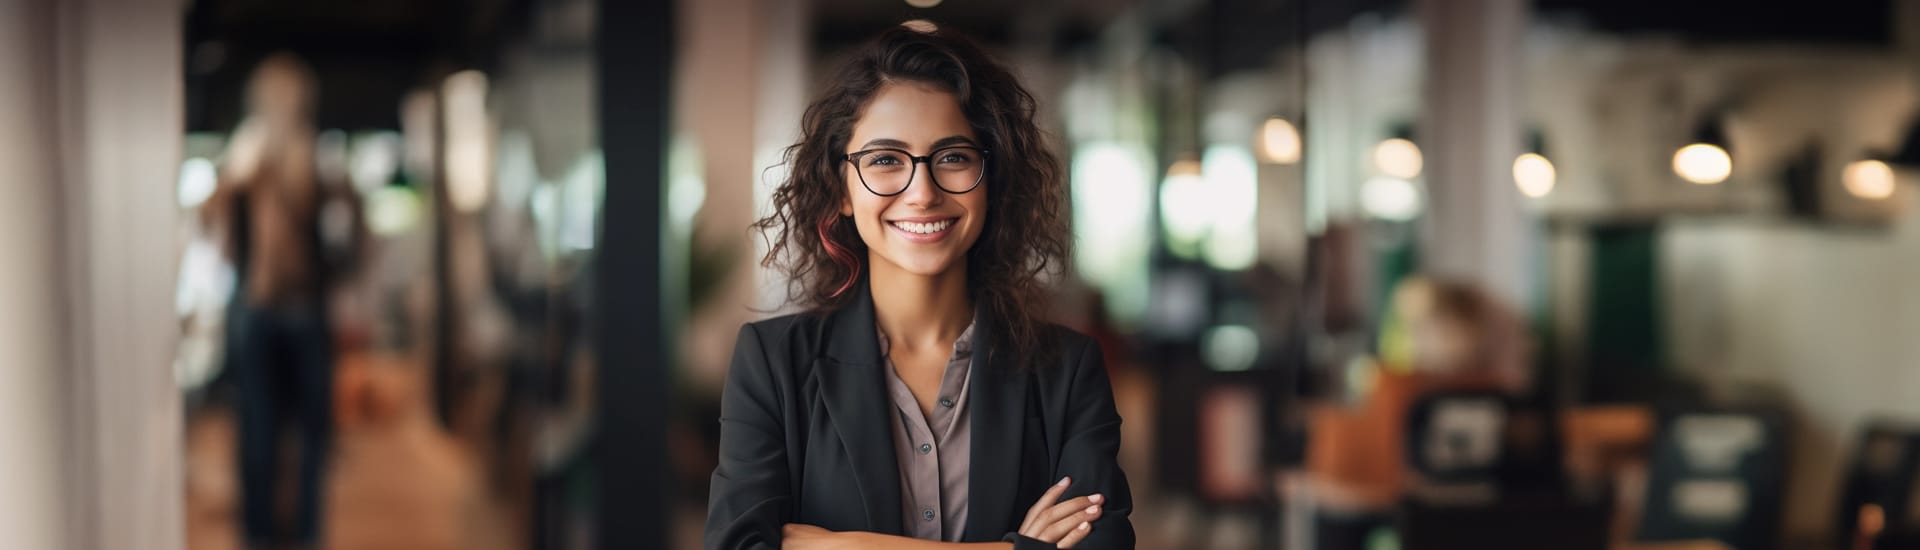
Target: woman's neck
[918,311]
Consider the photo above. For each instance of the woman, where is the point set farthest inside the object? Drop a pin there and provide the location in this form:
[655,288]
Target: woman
[920,402]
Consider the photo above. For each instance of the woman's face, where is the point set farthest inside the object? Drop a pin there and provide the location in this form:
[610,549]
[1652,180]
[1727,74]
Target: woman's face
[923,230]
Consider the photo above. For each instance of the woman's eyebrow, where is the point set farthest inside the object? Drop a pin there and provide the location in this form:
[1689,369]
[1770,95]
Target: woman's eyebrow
[897,144]
[952,140]
[884,142]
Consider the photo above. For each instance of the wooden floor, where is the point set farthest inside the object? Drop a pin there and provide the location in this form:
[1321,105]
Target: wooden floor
[395,480]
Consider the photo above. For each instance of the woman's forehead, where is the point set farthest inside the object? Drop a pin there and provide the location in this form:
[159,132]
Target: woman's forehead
[912,113]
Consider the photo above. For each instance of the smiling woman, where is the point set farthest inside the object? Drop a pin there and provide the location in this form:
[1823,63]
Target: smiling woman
[921,401]
[914,223]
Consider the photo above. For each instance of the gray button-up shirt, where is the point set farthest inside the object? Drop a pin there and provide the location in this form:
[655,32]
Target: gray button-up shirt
[933,452]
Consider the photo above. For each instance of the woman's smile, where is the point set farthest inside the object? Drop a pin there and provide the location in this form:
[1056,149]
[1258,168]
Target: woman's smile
[923,229]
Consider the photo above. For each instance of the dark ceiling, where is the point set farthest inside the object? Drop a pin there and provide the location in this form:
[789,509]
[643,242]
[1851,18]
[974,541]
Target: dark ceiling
[1224,36]
[1864,22]
[370,52]
[1220,35]
[367,53]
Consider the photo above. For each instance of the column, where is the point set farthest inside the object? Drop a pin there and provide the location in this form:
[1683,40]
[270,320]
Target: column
[1470,130]
[32,441]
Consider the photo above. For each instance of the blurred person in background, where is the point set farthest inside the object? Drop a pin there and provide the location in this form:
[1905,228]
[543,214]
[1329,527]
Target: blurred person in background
[288,247]
[1456,335]
[922,210]
[1439,336]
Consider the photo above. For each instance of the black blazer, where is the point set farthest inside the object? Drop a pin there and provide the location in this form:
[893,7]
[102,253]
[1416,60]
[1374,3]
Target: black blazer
[805,435]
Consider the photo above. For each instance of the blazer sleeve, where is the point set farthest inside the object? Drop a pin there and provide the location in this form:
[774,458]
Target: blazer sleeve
[751,497]
[1091,451]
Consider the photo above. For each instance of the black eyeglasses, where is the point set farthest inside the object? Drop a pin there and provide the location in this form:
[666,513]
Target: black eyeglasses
[887,172]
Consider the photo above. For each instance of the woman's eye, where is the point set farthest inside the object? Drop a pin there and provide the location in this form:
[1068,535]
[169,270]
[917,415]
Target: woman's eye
[956,158]
[882,160]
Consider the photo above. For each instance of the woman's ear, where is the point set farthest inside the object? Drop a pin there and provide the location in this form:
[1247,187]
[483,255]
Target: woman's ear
[846,205]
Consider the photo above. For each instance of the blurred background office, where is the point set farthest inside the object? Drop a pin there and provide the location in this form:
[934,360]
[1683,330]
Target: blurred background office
[1368,273]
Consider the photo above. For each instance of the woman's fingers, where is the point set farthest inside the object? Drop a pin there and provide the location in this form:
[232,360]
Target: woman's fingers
[1073,537]
[1065,522]
[1059,530]
[1046,500]
[800,529]
[1067,509]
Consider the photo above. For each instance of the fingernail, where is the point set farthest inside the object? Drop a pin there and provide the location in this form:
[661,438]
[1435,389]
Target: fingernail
[1094,498]
[1084,526]
[1093,509]
[1062,482]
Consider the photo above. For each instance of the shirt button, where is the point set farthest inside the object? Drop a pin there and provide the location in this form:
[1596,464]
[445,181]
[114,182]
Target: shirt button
[926,448]
[927,514]
[946,402]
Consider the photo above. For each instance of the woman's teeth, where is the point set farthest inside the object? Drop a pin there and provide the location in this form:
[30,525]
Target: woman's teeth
[924,228]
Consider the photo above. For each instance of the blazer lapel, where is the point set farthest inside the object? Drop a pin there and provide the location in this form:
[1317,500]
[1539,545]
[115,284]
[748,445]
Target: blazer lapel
[856,400]
[997,394]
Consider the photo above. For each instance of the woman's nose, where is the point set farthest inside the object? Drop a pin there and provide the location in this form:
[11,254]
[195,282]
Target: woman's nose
[922,190]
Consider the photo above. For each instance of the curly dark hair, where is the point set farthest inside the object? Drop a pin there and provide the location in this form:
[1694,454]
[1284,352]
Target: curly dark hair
[1025,234]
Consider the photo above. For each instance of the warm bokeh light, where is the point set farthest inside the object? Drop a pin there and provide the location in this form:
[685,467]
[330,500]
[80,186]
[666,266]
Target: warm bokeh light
[1398,158]
[1389,198]
[1702,163]
[1869,179]
[1534,175]
[1279,142]
[1873,519]
[923,3]
[467,157]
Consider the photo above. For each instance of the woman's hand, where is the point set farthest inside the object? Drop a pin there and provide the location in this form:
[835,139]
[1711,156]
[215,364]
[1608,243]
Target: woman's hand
[800,536]
[1064,524]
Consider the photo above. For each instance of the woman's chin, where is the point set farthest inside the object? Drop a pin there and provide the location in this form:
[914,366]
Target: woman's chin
[923,265]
